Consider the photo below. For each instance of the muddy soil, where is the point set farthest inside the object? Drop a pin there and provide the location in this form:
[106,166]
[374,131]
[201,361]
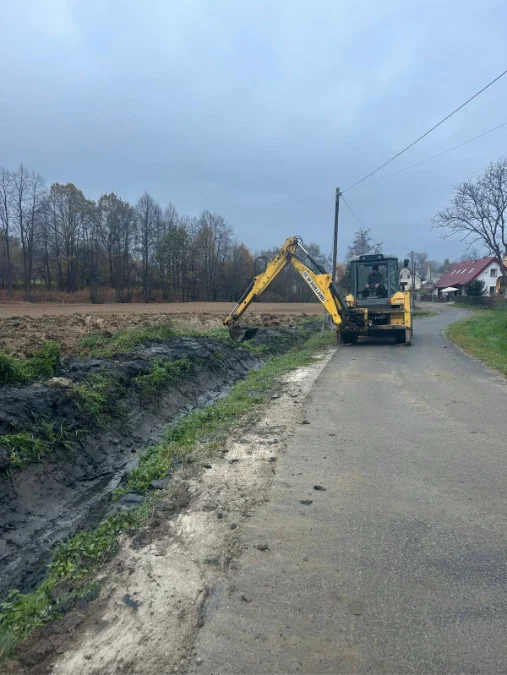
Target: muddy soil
[70,489]
[24,334]
[187,566]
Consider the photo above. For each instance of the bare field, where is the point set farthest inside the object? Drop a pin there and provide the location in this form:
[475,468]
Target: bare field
[22,309]
[24,327]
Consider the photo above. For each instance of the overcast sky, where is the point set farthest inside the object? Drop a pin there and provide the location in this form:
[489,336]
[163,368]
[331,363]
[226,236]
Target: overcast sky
[257,109]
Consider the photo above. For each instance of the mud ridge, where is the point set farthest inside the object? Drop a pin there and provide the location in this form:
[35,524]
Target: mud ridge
[70,488]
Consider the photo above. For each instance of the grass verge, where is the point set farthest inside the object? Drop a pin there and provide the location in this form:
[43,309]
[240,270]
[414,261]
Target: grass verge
[70,574]
[483,335]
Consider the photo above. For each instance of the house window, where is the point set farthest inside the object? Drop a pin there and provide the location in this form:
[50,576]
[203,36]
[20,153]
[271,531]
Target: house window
[492,272]
[492,290]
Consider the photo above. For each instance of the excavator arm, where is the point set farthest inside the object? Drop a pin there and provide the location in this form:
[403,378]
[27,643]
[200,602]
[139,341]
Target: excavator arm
[321,284]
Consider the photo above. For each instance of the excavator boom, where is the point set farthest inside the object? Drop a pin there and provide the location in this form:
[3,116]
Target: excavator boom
[321,284]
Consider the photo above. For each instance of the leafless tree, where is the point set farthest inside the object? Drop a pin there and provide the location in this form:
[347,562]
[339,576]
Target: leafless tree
[471,253]
[148,212]
[68,211]
[478,211]
[28,192]
[363,244]
[212,245]
[6,194]
[116,233]
[420,261]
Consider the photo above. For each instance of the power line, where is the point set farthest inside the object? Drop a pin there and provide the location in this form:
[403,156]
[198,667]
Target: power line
[428,132]
[350,209]
[428,159]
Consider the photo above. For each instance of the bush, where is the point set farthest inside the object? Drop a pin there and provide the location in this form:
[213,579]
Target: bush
[476,288]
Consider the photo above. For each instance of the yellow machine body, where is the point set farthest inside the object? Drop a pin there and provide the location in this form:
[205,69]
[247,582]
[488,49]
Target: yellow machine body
[391,318]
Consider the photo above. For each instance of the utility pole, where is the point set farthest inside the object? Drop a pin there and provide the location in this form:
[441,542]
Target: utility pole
[326,318]
[335,239]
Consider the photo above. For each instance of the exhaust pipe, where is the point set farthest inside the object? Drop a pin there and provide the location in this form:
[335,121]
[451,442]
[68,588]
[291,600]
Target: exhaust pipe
[239,334]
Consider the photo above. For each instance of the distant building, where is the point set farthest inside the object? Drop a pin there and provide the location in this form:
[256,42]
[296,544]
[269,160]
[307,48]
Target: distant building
[407,280]
[463,273]
[430,279]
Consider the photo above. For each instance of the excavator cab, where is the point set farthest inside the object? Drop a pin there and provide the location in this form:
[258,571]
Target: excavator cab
[378,308]
[374,278]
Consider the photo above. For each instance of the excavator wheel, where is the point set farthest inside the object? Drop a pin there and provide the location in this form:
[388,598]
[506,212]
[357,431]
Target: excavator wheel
[403,337]
[349,338]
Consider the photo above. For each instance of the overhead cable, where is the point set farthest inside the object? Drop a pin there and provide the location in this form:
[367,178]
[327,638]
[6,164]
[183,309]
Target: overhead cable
[427,132]
[428,159]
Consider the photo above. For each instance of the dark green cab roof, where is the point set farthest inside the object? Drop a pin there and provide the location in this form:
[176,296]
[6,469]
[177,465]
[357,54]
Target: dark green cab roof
[373,257]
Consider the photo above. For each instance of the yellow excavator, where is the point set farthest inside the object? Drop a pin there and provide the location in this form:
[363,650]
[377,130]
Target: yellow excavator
[374,307]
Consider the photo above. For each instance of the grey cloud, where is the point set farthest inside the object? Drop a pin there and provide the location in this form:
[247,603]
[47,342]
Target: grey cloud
[257,110]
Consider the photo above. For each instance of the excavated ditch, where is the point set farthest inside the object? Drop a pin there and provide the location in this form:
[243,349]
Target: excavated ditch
[70,488]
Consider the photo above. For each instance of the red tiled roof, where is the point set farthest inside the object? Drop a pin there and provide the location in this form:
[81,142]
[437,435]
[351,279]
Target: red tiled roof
[464,272]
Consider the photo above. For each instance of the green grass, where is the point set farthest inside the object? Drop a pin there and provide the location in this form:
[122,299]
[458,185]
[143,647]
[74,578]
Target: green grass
[164,372]
[44,363]
[483,335]
[99,345]
[93,396]
[27,447]
[24,448]
[70,575]
[10,369]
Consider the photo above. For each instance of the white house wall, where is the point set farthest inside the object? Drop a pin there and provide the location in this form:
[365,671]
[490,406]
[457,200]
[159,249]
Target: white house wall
[485,276]
[406,277]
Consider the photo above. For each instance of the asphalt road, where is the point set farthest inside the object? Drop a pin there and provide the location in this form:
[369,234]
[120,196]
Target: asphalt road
[400,565]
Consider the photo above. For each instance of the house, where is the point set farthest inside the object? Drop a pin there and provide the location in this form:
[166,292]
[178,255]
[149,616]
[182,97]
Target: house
[406,280]
[461,274]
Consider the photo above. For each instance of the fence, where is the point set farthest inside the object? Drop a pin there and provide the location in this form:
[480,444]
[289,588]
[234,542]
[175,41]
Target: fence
[487,301]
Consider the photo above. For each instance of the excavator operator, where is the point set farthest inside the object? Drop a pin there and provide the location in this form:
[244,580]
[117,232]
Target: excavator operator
[375,282]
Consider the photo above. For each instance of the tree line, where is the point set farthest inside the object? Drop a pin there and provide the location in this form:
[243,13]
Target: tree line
[56,238]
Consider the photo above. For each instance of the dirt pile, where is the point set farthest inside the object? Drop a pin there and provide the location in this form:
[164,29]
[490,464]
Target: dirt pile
[23,335]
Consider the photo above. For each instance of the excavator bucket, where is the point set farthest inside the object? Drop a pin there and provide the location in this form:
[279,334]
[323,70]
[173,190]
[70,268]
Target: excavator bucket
[242,334]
